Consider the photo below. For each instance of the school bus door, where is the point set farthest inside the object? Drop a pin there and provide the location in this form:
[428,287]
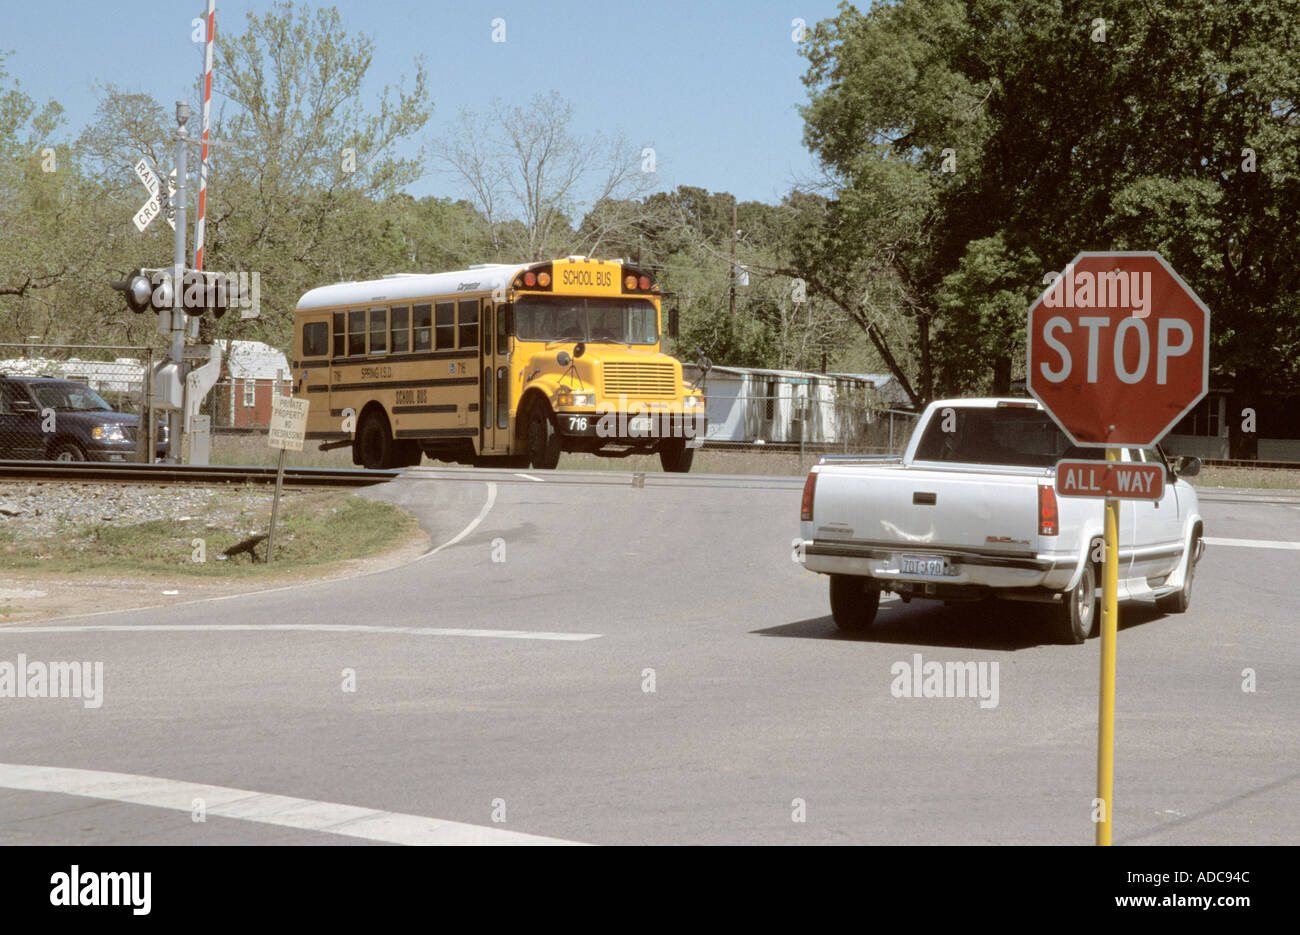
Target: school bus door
[492,369]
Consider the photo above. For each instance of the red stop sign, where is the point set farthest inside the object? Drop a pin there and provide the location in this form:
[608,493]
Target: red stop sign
[1119,349]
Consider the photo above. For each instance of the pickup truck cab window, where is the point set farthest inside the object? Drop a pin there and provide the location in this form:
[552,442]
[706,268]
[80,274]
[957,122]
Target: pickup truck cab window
[1011,437]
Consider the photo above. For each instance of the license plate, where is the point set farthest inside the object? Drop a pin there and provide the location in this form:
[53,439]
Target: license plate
[638,424]
[923,565]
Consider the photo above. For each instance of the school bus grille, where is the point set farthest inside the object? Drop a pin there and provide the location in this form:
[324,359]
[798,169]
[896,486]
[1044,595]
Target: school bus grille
[639,379]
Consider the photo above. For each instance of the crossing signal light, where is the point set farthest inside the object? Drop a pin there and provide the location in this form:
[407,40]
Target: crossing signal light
[206,292]
[145,291]
[152,290]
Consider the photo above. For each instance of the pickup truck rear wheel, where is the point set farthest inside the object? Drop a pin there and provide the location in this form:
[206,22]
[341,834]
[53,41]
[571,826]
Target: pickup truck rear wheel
[1076,615]
[853,604]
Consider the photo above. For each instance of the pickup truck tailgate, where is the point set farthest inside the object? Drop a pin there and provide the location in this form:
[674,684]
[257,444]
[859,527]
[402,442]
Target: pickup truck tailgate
[917,508]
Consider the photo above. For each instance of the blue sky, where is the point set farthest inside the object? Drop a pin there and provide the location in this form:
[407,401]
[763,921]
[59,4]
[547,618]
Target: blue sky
[713,87]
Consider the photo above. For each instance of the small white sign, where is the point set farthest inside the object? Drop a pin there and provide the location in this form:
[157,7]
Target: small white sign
[288,423]
[147,176]
[171,200]
[145,216]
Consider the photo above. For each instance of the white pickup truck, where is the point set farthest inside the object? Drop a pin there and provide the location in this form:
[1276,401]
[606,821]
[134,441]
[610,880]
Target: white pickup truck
[970,512]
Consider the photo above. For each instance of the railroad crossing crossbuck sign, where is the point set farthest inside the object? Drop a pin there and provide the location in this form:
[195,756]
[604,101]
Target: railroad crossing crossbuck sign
[1119,349]
[154,206]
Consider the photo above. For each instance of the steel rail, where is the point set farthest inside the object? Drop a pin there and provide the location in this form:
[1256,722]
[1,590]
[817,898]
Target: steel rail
[132,473]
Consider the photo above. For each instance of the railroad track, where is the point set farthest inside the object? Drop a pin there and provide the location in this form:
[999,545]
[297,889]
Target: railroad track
[188,474]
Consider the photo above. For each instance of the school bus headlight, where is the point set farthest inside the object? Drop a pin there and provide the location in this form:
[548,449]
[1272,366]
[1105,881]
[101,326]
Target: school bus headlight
[566,398]
[693,402]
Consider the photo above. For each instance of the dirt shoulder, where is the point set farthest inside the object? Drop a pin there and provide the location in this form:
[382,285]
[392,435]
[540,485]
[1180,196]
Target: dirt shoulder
[27,596]
[71,550]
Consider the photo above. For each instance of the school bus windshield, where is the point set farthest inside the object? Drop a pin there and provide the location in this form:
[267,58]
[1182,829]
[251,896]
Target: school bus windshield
[574,318]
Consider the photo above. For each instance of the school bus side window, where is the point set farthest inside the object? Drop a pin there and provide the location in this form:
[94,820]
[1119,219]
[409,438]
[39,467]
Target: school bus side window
[400,329]
[469,323]
[423,327]
[357,333]
[446,326]
[316,339]
[501,328]
[379,331]
[340,334]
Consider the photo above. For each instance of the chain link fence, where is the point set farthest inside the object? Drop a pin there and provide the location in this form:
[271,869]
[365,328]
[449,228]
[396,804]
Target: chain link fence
[841,423]
[802,427]
[66,402]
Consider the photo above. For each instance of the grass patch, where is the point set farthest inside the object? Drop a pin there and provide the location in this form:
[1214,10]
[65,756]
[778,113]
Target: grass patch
[253,450]
[314,528]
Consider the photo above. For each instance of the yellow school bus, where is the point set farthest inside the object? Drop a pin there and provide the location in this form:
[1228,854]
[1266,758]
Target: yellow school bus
[499,364]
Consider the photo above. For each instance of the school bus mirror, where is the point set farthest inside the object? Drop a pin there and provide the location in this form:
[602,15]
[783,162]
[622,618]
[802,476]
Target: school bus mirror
[673,323]
[579,349]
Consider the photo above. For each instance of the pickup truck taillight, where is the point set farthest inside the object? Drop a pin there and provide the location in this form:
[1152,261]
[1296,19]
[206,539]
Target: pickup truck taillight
[1048,518]
[806,507]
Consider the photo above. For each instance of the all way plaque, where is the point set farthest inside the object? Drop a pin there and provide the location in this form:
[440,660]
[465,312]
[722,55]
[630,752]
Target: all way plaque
[1111,479]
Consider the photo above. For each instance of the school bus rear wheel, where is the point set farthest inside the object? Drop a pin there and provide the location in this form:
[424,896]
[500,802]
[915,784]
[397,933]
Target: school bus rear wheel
[374,443]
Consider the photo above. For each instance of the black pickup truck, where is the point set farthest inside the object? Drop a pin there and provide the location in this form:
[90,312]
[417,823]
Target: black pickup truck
[62,420]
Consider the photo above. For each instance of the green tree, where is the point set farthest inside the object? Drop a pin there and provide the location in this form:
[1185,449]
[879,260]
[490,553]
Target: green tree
[534,182]
[299,195]
[54,227]
[970,140]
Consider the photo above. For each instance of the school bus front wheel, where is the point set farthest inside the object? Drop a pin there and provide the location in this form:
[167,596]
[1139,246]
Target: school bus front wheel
[544,441]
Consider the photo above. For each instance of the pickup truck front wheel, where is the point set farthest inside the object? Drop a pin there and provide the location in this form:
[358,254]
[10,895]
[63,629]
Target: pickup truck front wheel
[853,604]
[1076,615]
[1180,600]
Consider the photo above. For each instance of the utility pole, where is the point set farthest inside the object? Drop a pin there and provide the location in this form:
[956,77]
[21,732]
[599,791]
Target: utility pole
[732,272]
[176,417]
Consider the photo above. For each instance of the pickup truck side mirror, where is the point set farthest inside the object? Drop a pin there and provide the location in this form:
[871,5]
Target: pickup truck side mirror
[1188,467]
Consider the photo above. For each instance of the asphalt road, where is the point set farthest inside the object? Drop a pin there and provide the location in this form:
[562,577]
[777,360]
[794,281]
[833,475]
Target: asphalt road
[498,690]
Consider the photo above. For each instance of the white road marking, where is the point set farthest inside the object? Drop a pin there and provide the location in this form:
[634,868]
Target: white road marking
[285,811]
[305,627]
[1253,543]
[530,477]
[473,524]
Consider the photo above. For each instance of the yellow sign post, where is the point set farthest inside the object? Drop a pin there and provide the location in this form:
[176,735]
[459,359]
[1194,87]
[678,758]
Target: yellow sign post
[1106,390]
[1106,698]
